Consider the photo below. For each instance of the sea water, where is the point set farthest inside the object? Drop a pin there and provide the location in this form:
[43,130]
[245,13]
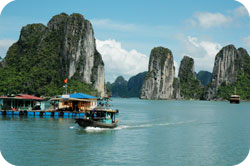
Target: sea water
[171,133]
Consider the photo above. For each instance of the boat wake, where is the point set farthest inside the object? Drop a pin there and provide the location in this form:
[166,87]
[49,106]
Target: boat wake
[95,129]
[136,126]
[152,125]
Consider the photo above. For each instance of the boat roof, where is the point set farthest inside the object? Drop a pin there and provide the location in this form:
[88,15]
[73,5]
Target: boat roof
[100,109]
[235,96]
[22,97]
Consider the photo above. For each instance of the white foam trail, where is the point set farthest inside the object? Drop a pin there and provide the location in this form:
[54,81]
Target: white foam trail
[95,129]
[121,127]
[136,126]
[151,125]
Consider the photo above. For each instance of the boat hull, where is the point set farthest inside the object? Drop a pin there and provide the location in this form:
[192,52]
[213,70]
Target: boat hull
[234,101]
[91,123]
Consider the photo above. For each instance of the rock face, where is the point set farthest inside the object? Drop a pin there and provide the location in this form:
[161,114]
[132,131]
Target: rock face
[78,49]
[228,62]
[68,43]
[177,89]
[159,82]
[190,87]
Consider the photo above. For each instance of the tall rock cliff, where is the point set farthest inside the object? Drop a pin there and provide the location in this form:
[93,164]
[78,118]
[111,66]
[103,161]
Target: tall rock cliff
[177,89]
[159,81]
[229,63]
[65,48]
[190,87]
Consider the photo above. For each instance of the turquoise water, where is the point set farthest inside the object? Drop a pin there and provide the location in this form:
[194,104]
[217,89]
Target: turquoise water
[172,133]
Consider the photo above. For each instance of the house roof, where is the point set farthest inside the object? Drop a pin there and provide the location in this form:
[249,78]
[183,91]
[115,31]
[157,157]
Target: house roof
[22,96]
[80,96]
[26,96]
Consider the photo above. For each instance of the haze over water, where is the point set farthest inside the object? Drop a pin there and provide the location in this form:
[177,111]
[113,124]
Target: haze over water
[170,133]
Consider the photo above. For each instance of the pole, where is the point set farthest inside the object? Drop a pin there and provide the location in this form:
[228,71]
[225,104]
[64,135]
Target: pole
[66,88]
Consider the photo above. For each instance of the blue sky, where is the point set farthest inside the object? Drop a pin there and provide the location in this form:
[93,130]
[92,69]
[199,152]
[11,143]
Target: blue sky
[131,28]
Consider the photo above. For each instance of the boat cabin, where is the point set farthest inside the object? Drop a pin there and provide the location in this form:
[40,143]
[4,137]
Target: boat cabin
[107,116]
[20,102]
[99,117]
[74,102]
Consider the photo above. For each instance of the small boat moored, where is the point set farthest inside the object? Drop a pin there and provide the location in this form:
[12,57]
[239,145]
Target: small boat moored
[234,99]
[99,117]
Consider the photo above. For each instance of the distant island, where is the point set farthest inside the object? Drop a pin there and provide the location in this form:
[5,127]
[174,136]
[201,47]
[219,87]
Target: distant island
[124,88]
[231,71]
[44,56]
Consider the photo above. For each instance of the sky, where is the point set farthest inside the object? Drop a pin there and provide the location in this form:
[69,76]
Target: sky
[127,30]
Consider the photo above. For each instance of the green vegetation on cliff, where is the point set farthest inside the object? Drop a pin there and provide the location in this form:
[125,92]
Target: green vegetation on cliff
[204,77]
[32,65]
[36,64]
[242,85]
[189,86]
[130,88]
[160,53]
[135,84]
[119,88]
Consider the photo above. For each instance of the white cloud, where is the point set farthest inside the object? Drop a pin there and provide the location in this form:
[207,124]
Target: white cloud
[4,46]
[246,41]
[176,65]
[119,61]
[109,24]
[209,20]
[240,11]
[203,52]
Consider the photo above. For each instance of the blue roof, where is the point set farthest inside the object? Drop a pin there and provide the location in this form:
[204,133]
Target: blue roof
[81,96]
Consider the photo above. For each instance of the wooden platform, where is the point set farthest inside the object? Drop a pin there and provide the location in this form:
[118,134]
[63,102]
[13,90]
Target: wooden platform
[42,113]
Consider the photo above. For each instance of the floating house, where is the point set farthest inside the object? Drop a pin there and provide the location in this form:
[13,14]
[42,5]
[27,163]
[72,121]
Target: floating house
[20,102]
[76,102]
[72,105]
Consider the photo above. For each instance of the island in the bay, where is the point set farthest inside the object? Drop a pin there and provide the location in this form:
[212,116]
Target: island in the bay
[45,55]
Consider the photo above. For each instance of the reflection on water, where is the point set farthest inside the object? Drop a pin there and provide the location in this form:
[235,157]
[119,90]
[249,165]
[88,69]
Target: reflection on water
[149,133]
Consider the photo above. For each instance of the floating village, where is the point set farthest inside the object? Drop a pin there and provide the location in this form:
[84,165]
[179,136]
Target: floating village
[87,110]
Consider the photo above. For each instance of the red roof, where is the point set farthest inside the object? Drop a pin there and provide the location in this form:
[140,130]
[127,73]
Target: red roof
[24,96]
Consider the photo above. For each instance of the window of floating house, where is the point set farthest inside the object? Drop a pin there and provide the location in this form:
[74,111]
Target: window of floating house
[65,103]
[79,105]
